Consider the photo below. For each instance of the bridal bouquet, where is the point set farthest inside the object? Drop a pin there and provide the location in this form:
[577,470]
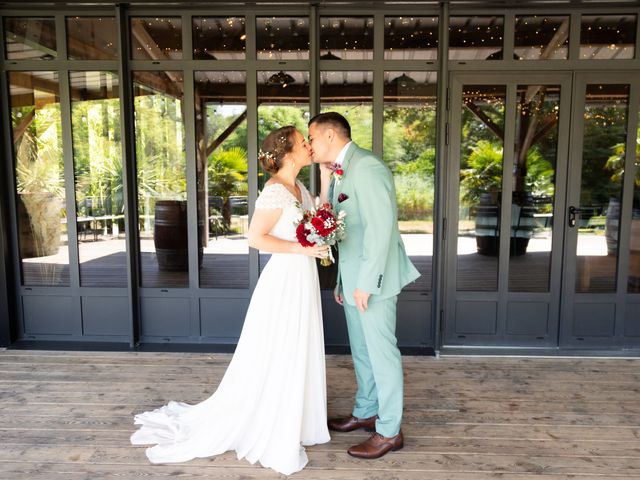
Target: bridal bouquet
[321,227]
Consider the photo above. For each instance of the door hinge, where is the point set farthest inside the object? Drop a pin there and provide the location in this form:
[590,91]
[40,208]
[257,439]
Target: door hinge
[444,228]
[446,133]
[447,100]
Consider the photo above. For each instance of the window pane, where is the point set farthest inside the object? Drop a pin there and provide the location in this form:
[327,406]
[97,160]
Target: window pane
[481,158]
[92,38]
[283,99]
[605,37]
[410,38]
[533,198]
[603,152]
[346,38]
[95,121]
[161,177]
[350,94]
[154,38]
[30,38]
[221,139]
[37,143]
[475,38]
[542,37]
[410,152]
[219,38]
[282,38]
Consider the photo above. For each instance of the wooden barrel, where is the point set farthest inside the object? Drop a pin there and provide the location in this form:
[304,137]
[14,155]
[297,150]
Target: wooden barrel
[170,236]
[487,225]
[611,225]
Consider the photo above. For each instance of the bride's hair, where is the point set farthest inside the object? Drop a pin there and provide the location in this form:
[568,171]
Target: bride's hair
[274,148]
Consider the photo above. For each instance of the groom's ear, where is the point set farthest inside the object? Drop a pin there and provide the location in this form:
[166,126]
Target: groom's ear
[330,133]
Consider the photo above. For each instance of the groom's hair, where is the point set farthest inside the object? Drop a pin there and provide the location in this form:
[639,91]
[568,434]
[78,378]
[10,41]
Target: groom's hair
[335,121]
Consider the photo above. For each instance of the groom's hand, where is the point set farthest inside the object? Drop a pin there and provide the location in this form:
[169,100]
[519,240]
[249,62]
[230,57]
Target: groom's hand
[362,299]
[338,298]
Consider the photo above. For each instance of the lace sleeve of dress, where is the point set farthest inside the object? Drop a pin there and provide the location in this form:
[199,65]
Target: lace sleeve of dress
[273,196]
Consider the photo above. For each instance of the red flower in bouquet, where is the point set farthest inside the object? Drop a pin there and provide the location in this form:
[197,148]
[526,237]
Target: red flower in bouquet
[321,227]
[302,232]
[324,222]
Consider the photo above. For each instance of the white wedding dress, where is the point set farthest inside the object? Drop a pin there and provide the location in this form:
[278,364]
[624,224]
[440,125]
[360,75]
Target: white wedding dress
[272,399]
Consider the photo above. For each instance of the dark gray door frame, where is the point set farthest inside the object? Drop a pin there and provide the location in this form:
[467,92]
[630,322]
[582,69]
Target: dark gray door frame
[502,298]
[6,328]
[7,316]
[622,308]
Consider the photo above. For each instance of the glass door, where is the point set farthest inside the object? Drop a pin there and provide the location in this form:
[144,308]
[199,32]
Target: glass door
[507,139]
[603,214]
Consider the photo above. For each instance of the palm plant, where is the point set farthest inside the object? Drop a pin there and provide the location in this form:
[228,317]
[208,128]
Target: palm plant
[39,180]
[227,172]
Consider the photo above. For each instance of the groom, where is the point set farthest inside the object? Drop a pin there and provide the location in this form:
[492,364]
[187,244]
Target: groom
[372,269]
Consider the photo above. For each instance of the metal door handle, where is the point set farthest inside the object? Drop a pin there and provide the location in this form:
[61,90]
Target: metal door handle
[573,212]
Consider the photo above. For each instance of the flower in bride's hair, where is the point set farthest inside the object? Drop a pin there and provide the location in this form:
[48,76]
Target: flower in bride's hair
[266,155]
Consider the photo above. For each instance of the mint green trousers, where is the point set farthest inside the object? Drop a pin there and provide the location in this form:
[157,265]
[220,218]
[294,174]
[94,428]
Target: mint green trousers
[377,363]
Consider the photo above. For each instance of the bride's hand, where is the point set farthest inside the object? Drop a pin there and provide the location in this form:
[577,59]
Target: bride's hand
[317,251]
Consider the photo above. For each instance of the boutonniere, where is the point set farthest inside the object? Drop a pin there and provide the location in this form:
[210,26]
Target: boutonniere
[336,171]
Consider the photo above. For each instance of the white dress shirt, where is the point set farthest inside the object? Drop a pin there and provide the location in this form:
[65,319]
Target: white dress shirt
[341,155]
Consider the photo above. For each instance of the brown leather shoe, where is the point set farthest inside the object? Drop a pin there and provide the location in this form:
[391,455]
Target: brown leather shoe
[352,423]
[377,446]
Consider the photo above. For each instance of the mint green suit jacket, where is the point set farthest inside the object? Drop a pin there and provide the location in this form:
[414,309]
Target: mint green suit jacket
[372,257]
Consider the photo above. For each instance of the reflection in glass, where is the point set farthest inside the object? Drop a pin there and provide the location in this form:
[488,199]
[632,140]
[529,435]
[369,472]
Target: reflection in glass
[534,170]
[605,37]
[634,254]
[282,38]
[97,159]
[476,38]
[92,38]
[219,38]
[37,147]
[346,38]
[603,152]
[409,150]
[540,37]
[280,105]
[350,94]
[221,139]
[156,38]
[32,38]
[481,158]
[161,178]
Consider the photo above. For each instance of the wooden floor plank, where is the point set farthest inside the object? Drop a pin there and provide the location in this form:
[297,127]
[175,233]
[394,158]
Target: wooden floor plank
[69,415]
[409,460]
[63,471]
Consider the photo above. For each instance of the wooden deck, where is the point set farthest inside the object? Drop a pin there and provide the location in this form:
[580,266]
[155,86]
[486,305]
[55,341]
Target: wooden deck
[68,416]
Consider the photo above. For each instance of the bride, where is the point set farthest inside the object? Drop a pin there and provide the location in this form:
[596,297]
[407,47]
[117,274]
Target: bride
[272,398]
